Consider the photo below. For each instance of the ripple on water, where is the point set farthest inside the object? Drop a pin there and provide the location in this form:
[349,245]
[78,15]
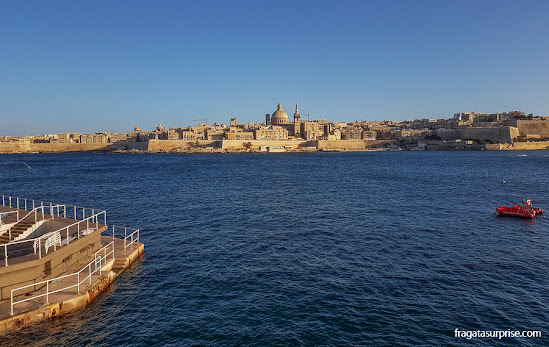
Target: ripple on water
[306,249]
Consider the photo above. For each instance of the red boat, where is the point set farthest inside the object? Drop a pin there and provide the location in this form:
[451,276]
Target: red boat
[525,211]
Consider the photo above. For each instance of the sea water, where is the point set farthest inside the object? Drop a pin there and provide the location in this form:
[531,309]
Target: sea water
[383,248]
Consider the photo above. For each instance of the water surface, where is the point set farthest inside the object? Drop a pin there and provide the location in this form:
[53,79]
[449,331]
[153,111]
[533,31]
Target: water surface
[393,248]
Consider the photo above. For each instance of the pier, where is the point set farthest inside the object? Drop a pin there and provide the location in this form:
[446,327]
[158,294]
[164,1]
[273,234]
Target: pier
[56,258]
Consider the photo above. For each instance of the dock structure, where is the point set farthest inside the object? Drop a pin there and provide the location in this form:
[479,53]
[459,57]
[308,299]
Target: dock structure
[56,258]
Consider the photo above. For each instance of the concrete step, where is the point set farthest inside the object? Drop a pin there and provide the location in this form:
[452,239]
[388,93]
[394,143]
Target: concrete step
[119,264]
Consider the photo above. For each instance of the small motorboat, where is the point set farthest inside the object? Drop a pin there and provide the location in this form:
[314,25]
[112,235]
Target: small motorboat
[524,211]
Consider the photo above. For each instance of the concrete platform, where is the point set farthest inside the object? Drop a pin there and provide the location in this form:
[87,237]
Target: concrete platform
[38,309]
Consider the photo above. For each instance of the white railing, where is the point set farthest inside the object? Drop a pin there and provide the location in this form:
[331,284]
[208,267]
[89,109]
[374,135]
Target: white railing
[35,211]
[5,214]
[129,239]
[60,210]
[82,228]
[84,216]
[100,259]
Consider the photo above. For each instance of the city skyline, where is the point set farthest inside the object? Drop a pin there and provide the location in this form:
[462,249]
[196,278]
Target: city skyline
[99,66]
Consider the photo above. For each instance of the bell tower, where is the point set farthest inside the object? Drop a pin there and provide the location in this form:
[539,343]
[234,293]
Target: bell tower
[297,122]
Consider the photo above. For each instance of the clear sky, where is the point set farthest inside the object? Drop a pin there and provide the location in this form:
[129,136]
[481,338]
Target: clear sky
[90,66]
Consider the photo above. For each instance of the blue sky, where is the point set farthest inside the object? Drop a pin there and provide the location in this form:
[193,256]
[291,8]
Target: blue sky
[91,66]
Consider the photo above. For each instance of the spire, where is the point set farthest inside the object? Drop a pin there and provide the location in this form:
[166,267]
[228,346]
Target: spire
[296,109]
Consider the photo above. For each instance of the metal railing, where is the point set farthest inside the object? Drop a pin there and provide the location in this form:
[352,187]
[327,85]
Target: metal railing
[100,259]
[82,228]
[85,217]
[36,220]
[3,215]
[129,239]
[61,210]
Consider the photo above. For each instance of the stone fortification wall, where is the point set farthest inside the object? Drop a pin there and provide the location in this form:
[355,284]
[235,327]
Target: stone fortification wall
[538,127]
[142,146]
[170,145]
[518,146]
[11,147]
[341,144]
[530,145]
[501,134]
[255,144]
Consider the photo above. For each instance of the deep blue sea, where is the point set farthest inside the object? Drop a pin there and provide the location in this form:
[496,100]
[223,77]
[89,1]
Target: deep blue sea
[377,248]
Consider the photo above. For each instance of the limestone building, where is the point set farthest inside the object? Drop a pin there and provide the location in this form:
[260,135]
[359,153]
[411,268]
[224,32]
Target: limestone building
[280,118]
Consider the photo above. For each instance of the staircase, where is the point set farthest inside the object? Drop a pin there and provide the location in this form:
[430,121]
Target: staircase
[19,228]
[119,264]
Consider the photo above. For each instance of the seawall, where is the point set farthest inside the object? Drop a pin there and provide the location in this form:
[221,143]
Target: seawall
[518,146]
[26,147]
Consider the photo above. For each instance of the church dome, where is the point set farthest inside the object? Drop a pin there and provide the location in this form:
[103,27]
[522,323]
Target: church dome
[279,116]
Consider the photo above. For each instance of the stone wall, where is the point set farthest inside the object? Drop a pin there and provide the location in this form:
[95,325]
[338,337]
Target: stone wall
[26,147]
[500,134]
[255,144]
[170,145]
[533,127]
[341,144]
[530,145]
[518,146]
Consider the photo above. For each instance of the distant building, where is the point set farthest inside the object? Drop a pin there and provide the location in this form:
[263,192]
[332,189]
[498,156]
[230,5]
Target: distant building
[271,133]
[279,116]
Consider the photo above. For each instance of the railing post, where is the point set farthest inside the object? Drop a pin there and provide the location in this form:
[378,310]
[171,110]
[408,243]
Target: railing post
[79,282]
[105,216]
[48,291]
[78,230]
[25,204]
[6,253]
[11,303]
[75,213]
[90,273]
[113,232]
[17,203]
[10,201]
[67,235]
[39,248]
[125,239]
[87,224]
